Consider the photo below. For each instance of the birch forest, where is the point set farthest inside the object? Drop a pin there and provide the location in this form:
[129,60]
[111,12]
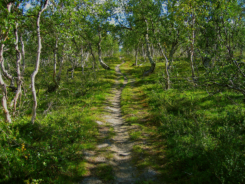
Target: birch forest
[122,91]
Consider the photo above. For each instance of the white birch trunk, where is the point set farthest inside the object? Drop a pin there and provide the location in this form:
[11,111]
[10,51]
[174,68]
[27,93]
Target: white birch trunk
[5,72]
[87,55]
[82,60]
[55,62]
[4,90]
[2,83]
[34,109]
[105,66]
[74,65]
[143,52]
[23,55]
[166,67]
[18,59]
[171,54]
[153,64]
[136,56]
[152,51]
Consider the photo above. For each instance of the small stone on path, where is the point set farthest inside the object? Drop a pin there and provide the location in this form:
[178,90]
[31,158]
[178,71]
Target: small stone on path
[124,154]
[103,145]
[99,122]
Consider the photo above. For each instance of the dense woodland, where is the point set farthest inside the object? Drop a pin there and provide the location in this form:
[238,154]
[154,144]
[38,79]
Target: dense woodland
[185,57]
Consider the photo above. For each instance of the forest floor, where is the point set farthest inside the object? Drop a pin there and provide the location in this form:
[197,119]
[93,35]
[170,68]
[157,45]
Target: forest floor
[114,159]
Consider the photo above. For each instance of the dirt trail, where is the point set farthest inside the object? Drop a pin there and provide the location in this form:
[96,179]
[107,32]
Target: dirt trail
[120,146]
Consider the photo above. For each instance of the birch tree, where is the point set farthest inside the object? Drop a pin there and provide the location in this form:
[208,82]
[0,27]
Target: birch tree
[153,64]
[4,33]
[18,71]
[138,19]
[34,109]
[4,90]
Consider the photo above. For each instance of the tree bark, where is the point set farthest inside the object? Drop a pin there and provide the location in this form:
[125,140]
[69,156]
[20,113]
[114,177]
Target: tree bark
[172,51]
[34,109]
[4,36]
[152,51]
[86,57]
[18,59]
[153,64]
[23,55]
[188,53]
[171,54]
[105,66]
[136,56]
[4,90]
[82,59]
[5,72]
[94,60]
[143,52]
[55,62]
[168,82]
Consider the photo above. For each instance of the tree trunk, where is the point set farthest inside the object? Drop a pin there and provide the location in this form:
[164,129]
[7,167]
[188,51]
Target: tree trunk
[23,55]
[173,50]
[86,58]
[152,51]
[18,59]
[55,62]
[188,53]
[82,60]
[72,71]
[166,67]
[4,36]
[136,56]
[143,52]
[5,72]
[105,66]
[171,54]
[94,60]
[74,65]
[34,109]
[4,90]
[153,64]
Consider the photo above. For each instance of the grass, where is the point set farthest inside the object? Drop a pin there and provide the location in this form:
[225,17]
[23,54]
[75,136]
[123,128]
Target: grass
[135,135]
[105,172]
[191,136]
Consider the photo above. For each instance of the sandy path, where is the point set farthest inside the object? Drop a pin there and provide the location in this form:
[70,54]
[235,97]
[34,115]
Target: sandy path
[120,146]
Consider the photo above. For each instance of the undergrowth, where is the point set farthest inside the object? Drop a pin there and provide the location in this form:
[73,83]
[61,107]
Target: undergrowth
[197,132]
[51,150]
